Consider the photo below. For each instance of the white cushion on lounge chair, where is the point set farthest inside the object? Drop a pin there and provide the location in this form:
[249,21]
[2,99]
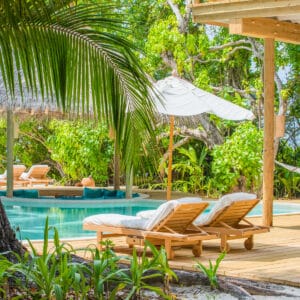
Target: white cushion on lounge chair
[117,220]
[147,214]
[222,203]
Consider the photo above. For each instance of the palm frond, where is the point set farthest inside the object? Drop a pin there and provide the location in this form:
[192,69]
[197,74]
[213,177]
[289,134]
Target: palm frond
[74,58]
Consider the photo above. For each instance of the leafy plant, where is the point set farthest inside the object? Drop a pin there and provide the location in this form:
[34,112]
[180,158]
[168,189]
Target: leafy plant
[191,170]
[81,148]
[5,264]
[102,271]
[211,271]
[237,162]
[51,273]
[142,269]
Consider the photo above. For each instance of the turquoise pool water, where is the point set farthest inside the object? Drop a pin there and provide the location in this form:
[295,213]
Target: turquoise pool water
[28,216]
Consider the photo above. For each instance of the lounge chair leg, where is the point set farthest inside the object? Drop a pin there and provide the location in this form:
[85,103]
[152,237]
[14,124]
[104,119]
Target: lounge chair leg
[99,240]
[197,249]
[168,248]
[224,245]
[249,243]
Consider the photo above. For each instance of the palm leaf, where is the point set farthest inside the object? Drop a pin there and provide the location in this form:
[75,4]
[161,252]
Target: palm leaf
[74,58]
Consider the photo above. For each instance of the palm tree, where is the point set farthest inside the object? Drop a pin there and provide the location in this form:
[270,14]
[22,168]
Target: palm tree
[74,57]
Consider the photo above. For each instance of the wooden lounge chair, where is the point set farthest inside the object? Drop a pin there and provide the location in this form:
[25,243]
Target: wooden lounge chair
[227,219]
[17,172]
[37,174]
[168,227]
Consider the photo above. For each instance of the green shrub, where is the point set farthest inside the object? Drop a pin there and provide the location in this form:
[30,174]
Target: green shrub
[238,162]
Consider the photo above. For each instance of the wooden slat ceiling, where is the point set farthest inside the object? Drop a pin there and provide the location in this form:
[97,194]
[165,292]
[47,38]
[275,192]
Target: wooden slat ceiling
[278,19]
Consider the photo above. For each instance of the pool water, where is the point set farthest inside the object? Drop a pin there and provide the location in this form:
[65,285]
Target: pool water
[29,221]
[28,217]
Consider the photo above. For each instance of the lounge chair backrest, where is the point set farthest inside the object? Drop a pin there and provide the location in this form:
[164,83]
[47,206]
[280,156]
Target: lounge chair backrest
[231,207]
[18,170]
[38,171]
[178,211]
[233,214]
[182,217]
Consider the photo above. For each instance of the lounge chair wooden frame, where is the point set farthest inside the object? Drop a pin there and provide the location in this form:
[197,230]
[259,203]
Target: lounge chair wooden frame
[17,172]
[3,182]
[230,224]
[38,175]
[170,232]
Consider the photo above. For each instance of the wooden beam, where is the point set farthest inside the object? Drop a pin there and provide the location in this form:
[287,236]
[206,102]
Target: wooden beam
[229,10]
[268,154]
[266,28]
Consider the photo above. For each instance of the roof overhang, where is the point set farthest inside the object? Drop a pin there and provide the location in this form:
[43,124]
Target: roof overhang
[276,19]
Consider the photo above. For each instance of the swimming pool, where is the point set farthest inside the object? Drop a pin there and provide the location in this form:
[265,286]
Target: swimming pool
[28,216]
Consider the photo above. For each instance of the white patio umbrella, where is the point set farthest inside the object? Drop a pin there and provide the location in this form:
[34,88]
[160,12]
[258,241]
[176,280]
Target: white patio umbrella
[178,97]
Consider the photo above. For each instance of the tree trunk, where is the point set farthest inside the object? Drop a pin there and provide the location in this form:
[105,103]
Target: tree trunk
[117,166]
[8,240]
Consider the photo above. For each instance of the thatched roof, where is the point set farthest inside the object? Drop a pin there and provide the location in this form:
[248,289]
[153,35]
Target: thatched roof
[26,103]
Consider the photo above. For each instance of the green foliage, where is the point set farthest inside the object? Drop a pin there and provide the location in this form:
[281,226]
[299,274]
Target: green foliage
[54,275]
[81,148]
[102,271]
[287,183]
[238,160]
[211,271]
[190,170]
[91,70]
[51,273]
[143,269]
[30,146]
[5,264]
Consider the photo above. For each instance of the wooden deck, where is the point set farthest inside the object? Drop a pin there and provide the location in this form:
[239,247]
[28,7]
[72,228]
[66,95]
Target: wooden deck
[275,257]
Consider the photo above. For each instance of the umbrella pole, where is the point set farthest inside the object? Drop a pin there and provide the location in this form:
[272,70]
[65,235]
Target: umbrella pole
[169,185]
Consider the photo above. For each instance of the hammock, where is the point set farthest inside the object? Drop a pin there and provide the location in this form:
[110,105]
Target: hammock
[288,167]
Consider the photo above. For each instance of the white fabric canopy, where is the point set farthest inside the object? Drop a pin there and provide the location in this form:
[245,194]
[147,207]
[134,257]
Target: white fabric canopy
[288,167]
[181,98]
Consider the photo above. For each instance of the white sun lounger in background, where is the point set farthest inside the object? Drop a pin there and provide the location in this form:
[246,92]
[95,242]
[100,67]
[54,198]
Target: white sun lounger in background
[37,174]
[17,172]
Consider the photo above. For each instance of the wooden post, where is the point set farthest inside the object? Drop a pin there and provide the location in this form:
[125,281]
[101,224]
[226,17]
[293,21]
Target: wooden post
[169,185]
[268,155]
[10,152]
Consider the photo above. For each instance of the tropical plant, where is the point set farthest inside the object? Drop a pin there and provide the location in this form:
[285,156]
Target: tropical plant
[5,264]
[290,182]
[102,271]
[53,274]
[237,162]
[73,56]
[81,149]
[143,269]
[211,270]
[190,170]
[50,273]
